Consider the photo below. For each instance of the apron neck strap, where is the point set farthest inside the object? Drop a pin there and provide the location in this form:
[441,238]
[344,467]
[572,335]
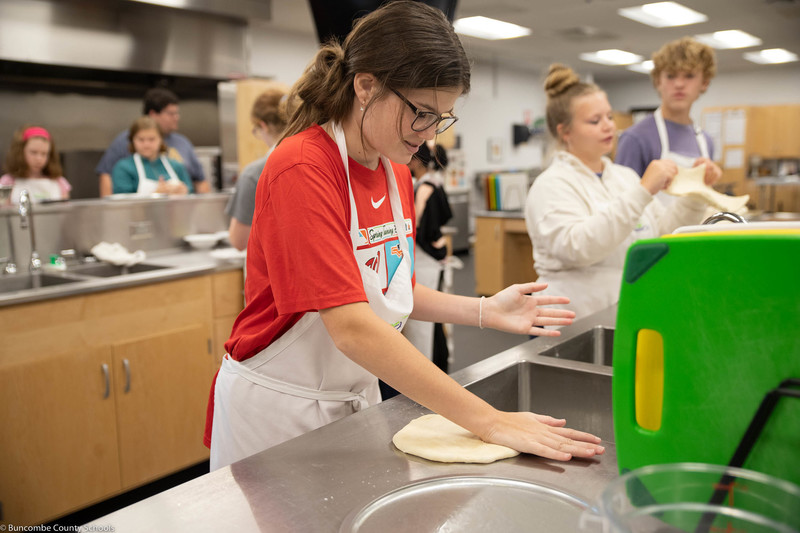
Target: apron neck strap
[661,126]
[391,182]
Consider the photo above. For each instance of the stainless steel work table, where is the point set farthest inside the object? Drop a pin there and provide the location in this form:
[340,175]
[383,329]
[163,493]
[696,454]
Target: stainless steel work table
[312,483]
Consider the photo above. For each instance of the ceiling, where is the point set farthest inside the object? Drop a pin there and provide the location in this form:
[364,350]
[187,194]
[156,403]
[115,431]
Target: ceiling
[563,29]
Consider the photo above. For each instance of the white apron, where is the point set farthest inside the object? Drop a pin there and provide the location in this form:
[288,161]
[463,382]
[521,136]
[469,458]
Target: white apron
[680,160]
[147,186]
[302,381]
[38,188]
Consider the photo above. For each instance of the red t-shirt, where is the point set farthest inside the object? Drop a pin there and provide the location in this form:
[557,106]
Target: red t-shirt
[300,255]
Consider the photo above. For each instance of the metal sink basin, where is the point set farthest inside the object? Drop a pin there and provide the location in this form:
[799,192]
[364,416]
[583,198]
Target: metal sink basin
[107,270]
[578,392]
[23,282]
[592,346]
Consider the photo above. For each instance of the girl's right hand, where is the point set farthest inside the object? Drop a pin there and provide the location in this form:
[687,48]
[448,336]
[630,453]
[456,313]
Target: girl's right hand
[542,435]
[658,175]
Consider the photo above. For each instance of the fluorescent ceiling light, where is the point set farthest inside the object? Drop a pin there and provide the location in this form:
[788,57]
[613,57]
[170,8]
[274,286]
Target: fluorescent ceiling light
[486,28]
[663,14]
[726,39]
[611,57]
[771,56]
[644,67]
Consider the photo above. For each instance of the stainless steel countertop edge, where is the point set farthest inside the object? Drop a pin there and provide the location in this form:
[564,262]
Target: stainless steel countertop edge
[179,263]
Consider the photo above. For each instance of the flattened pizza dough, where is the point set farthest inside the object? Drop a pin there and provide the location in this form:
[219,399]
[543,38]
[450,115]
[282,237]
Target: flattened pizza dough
[435,438]
[690,182]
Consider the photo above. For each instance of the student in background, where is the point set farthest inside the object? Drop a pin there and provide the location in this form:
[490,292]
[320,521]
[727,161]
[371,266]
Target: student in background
[160,105]
[682,71]
[148,170]
[432,212]
[32,163]
[269,118]
[583,212]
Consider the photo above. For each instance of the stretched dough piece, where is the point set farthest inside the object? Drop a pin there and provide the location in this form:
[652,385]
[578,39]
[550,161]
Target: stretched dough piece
[435,438]
[690,182]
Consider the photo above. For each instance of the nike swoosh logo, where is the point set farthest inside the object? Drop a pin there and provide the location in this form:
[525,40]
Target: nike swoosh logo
[377,204]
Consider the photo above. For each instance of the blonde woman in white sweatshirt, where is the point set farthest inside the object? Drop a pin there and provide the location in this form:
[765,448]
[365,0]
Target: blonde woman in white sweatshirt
[583,212]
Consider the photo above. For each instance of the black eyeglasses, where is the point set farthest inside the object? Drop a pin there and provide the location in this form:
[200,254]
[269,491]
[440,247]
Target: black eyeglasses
[425,119]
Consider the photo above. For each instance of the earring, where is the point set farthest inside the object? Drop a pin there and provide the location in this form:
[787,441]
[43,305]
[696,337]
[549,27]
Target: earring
[362,107]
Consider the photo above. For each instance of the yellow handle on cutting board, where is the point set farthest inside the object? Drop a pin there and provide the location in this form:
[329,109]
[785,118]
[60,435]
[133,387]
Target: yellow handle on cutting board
[649,379]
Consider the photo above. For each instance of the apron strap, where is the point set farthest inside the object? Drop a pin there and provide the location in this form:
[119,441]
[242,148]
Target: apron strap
[664,138]
[229,365]
[168,167]
[393,192]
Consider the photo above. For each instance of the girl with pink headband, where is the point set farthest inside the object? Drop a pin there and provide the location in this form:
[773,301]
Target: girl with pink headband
[32,163]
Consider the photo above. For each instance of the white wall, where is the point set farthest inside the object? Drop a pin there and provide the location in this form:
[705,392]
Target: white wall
[499,97]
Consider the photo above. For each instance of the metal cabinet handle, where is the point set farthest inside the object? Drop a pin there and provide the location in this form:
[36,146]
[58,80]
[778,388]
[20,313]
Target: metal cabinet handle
[127,366]
[108,382]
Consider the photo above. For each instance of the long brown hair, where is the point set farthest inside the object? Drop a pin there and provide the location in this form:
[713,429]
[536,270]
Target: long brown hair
[15,159]
[562,86]
[405,44]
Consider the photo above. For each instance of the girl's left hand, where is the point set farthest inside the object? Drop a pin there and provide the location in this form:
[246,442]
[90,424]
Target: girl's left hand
[516,309]
[713,172]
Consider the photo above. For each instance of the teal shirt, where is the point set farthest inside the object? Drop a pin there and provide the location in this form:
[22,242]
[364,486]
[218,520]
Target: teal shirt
[125,179]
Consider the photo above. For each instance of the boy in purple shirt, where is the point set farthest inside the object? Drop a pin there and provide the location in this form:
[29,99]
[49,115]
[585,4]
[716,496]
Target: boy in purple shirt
[682,72]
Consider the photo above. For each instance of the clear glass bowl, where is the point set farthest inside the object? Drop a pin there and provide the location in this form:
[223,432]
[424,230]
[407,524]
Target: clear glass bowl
[698,497]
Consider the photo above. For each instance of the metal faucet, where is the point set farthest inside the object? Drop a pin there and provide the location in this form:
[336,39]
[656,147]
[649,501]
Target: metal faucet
[26,222]
[725,215]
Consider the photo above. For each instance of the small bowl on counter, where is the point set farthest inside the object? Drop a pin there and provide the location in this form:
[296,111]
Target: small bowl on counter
[202,241]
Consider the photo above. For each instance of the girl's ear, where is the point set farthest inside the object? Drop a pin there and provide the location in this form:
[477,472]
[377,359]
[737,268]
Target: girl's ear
[365,86]
[562,130]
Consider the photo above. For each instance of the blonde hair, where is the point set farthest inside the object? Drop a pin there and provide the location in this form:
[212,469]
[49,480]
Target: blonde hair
[404,44]
[684,55]
[271,107]
[562,86]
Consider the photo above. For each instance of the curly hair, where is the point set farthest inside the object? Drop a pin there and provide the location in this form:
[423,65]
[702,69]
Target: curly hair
[684,55]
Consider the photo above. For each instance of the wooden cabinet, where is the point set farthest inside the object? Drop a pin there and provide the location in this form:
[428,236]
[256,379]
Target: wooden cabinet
[228,294]
[769,132]
[503,254]
[773,132]
[101,393]
[58,444]
[160,391]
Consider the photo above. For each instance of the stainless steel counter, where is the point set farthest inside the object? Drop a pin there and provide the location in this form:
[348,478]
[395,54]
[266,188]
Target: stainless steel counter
[179,263]
[315,482]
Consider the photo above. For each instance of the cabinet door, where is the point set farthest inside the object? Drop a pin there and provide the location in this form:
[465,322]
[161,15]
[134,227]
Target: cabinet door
[162,385]
[58,438]
[488,255]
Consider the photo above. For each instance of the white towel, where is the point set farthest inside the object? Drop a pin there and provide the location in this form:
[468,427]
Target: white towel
[116,254]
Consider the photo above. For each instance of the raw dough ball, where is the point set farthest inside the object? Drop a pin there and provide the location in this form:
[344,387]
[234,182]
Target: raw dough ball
[436,438]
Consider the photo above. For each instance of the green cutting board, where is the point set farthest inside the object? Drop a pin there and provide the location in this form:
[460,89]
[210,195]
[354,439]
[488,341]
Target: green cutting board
[727,310]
